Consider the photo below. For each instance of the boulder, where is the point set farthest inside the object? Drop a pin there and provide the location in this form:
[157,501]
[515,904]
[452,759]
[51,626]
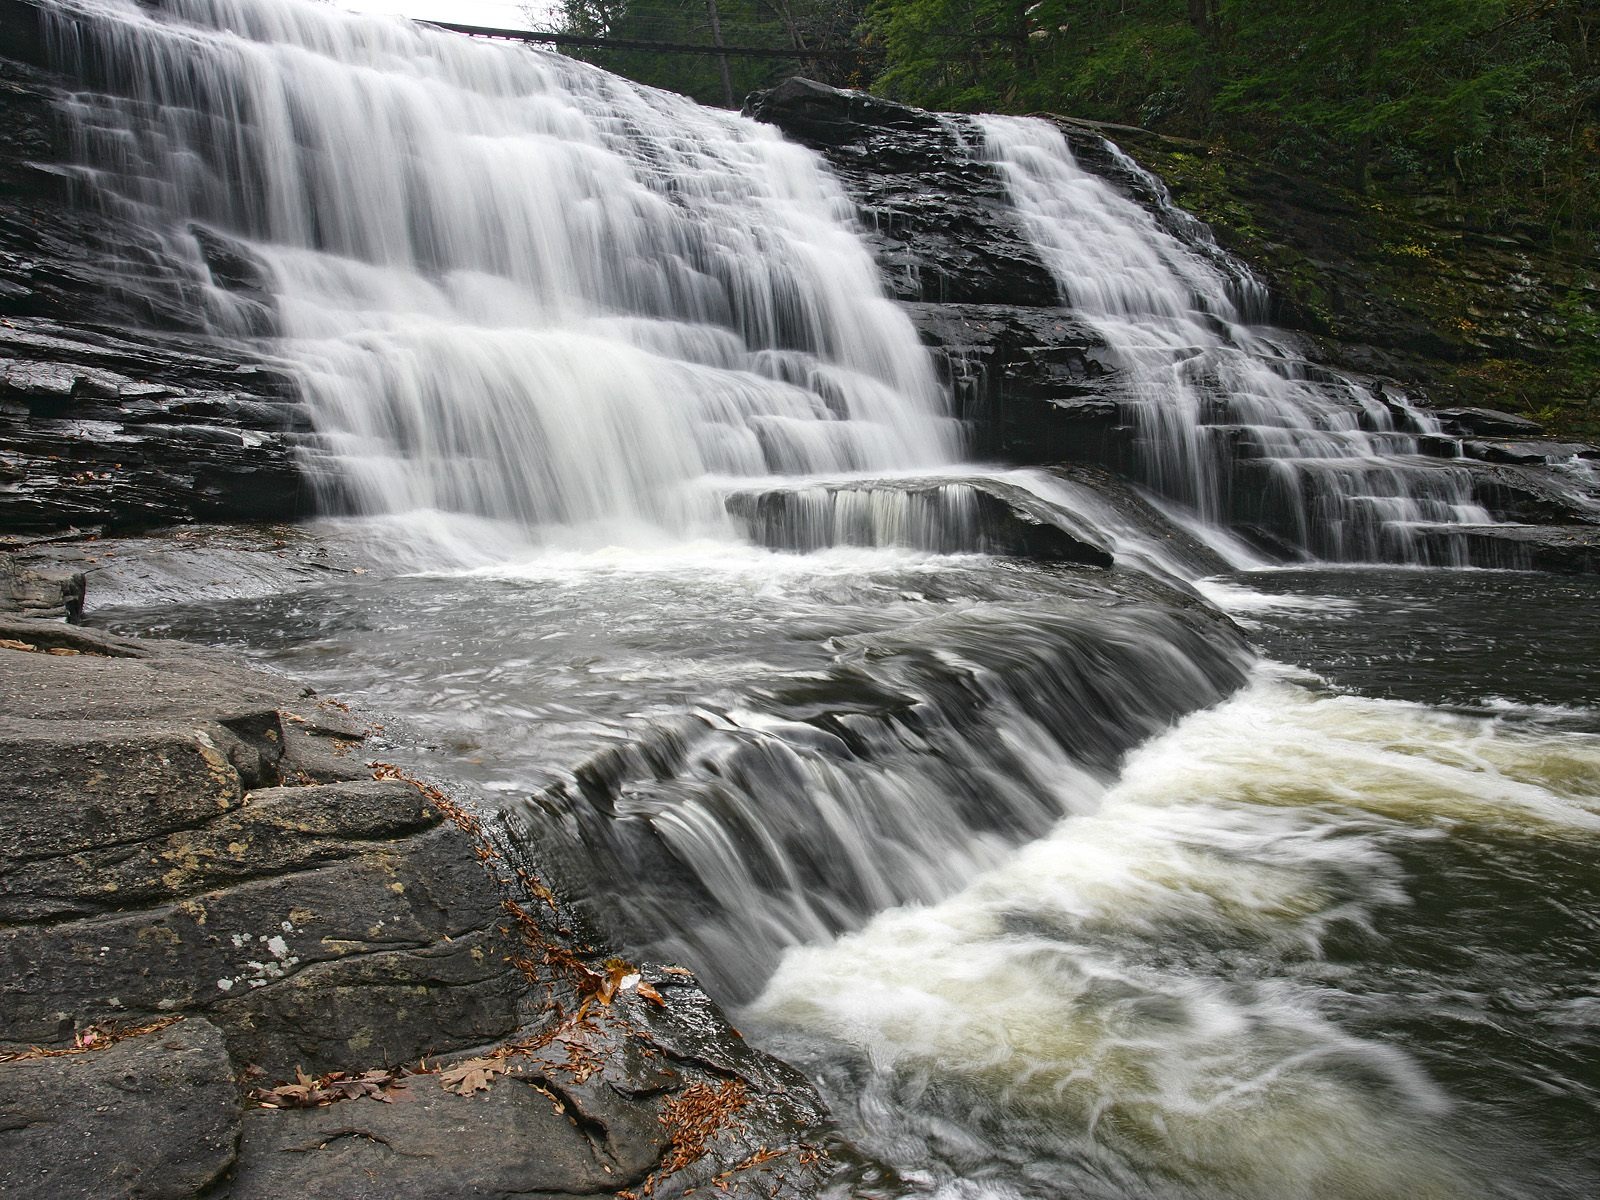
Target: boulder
[155,1116]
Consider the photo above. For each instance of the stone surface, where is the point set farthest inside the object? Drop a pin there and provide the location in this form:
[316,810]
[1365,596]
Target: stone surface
[990,517]
[182,837]
[1037,387]
[116,410]
[1564,549]
[47,592]
[155,1117]
[938,221]
[602,1100]
[1487,422]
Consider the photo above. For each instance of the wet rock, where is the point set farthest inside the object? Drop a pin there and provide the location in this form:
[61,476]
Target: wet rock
[1487,422]
[183,837]
[116,410]
[1527,452]
[1035,385]
[155,1117]
[946,516]
[1533,495]
[1569,550]
[938,221]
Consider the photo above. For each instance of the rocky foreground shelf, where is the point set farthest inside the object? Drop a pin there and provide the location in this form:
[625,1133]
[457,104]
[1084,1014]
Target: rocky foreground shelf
[241,960]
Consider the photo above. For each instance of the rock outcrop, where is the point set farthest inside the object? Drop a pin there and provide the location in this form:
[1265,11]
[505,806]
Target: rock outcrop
[115,409]
[206,889]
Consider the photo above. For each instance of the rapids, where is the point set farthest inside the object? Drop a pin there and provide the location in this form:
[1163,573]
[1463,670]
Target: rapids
[1185,877]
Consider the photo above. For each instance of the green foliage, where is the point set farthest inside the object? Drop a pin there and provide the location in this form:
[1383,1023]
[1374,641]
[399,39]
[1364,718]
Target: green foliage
[1497,101]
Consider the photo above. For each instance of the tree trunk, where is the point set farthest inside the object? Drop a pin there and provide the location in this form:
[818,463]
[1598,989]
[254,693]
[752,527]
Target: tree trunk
[722,59]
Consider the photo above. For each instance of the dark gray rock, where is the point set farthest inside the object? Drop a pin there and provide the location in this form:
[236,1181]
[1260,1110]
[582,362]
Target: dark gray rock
[606,1100]
[115,409]
[937,219]
[1035,385]
[1563,549]
[1527,451]
[184,837]
[1532,495]
[974,515]
[154,1117]
[1487,422]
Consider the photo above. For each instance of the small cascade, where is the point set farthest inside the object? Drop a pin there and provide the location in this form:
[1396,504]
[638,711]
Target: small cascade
[920,756]
[1231,423]
[511,286]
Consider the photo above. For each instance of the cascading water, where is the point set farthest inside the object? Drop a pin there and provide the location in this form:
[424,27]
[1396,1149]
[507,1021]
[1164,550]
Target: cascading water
[605,332]
[1231,422]
[511,286]
[535,309]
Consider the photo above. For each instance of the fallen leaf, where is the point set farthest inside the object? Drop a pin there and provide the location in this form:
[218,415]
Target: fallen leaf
[650,993]
[474,1075]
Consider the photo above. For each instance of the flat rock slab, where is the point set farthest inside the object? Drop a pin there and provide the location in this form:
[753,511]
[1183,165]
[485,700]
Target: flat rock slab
[185,838]
[153,1117]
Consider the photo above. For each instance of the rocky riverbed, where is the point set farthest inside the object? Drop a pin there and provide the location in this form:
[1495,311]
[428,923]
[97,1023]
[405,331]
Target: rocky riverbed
[244,959]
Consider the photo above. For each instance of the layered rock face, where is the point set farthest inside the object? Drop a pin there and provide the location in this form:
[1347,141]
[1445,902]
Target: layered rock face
[205,889]
[1025,370]
[1038,384]
[115,410]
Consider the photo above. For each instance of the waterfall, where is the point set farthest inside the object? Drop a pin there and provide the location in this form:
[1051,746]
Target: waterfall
[1231,423]
[510,285]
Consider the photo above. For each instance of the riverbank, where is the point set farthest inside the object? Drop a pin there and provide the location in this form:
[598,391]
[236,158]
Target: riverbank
[246,959]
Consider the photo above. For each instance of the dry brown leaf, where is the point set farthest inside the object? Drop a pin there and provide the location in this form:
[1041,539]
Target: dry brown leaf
[381,1085]
[649,993]
[474,1075]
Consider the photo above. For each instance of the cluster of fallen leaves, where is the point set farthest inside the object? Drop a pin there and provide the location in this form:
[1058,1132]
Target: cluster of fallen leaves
[696,1115]
[693,1118]
[306,1092]
[89,1038]
[614,976]
[463,820]
[388,1086]
[58,651]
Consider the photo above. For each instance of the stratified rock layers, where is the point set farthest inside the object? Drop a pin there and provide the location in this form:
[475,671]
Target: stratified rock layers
[184,839]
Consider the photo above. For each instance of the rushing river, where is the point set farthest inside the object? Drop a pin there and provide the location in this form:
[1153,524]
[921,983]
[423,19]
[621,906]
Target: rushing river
[1330,936]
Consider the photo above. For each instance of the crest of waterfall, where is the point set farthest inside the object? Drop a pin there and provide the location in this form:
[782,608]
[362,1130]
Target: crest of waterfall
[1231,422]
[511,286]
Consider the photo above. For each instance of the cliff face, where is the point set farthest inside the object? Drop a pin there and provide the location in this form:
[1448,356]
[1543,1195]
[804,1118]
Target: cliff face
[113,411]
[117,412]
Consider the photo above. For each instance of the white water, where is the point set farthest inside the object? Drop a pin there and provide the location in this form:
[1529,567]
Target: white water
[510,285]
[1157,998]
[1204,387]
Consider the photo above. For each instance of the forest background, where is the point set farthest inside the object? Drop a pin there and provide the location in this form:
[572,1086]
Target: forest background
[1496,102]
